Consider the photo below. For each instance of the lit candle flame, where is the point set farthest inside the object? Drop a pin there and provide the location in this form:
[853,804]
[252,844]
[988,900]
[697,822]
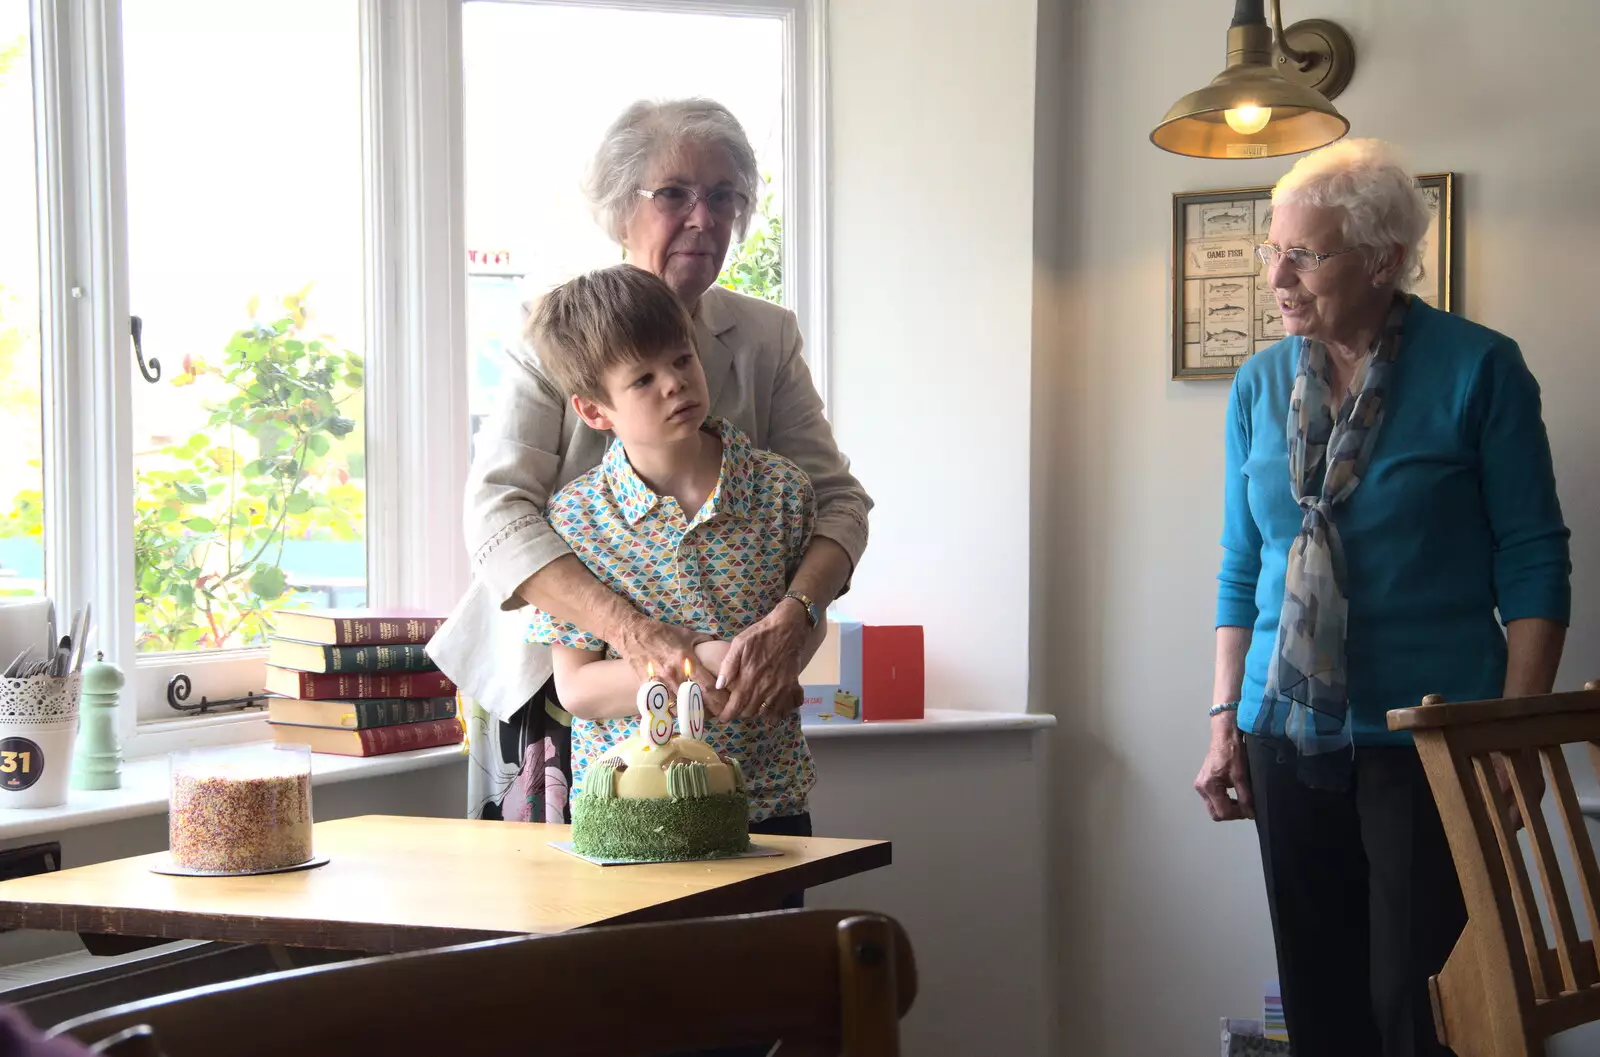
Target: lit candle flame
[650,670]
[688,668]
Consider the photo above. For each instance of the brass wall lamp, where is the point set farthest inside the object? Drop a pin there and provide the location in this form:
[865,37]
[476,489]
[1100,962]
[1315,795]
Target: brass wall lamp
[1274,96]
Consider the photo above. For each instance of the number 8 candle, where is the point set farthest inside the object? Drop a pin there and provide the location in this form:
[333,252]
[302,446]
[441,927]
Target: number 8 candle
[691,706]
[655,709]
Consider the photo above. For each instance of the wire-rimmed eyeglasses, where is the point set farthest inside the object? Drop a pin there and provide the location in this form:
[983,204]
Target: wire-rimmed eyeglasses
[676,201]
[1299,258]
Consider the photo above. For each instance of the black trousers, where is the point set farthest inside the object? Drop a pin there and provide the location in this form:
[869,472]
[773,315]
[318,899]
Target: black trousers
[784,826]
[1364,899]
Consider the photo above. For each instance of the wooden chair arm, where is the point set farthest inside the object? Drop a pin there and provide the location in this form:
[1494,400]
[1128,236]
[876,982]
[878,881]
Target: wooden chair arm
[1434,712]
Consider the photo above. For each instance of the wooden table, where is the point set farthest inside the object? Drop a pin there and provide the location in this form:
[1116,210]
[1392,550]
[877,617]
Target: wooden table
[397,884]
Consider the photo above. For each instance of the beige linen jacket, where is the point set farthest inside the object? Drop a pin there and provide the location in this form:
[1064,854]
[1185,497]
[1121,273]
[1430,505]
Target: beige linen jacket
[534,444]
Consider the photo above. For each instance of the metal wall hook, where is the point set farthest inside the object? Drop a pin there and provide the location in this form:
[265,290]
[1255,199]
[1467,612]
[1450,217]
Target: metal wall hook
[152,373]
[179,687]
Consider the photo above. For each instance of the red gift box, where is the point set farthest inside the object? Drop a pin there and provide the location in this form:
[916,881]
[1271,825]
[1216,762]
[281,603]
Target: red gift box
[891,672]
[871,672]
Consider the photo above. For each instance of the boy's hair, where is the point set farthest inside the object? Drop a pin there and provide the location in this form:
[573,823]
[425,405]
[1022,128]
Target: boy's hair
[617,315]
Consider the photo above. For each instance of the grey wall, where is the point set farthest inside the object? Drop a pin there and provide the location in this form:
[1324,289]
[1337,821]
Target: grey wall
[1162,921]
[966,815]
[931,198]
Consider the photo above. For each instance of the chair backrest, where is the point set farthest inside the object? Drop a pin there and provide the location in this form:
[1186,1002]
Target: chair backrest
[823,981]
[1505,989]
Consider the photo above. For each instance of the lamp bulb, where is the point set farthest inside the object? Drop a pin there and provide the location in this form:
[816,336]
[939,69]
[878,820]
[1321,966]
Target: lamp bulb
[1248,120]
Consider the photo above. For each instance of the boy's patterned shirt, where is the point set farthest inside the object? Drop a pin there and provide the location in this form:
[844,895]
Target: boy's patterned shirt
[717,572]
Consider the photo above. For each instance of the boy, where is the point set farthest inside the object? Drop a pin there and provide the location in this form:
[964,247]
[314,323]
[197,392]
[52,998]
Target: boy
[683,518]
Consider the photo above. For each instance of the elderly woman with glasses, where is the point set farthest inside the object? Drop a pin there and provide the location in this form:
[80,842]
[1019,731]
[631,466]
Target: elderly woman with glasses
[1390,530]
[672,183]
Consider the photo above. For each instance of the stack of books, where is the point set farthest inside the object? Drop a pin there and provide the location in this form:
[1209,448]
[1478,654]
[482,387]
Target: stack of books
[358,683]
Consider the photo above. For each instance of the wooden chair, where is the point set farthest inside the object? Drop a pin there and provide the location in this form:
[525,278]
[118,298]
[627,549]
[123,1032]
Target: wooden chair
[823,981]
[1504,990]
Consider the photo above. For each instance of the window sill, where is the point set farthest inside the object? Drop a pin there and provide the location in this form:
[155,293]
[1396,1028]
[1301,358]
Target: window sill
[144,790]
[160,737]
[144,777]
[936,721]
[154,738]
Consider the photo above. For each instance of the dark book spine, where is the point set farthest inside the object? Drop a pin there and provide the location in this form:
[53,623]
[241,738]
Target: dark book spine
[380,741]
[421,710]
[403,658]
[378,713]
[390,711]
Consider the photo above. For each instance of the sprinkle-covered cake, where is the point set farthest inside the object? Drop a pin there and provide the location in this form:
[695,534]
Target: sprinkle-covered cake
[663,796]
[240,810]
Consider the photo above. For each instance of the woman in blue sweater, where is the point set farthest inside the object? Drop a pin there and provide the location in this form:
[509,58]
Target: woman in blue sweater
[1391,530]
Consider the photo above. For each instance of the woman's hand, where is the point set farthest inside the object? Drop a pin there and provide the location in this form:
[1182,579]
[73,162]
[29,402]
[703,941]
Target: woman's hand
[1502,774]
[762,667]
[1533,653]
[647,644]
[1225,768]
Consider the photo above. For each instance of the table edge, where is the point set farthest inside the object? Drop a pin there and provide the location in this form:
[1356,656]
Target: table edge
[365,937]
[380,938]
[808,875]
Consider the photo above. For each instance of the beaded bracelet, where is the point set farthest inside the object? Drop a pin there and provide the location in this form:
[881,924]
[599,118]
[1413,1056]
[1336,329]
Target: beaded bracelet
[1226,706]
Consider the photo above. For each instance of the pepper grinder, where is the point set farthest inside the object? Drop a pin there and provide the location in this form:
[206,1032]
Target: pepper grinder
[98,762]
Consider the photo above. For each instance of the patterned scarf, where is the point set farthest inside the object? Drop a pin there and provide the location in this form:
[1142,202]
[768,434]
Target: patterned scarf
[1307,700]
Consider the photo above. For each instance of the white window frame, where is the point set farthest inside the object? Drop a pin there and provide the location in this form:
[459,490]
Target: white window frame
[417,365]
[805,151]
[415,335]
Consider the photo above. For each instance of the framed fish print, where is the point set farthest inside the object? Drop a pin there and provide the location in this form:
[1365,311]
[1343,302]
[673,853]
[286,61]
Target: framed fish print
[1223,310]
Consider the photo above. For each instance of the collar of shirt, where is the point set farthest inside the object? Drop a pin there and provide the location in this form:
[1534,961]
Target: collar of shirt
[731,496]
[712,313]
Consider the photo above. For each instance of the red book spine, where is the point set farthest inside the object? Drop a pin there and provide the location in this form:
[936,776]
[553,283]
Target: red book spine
[351,686]
[379,741]
[384,631]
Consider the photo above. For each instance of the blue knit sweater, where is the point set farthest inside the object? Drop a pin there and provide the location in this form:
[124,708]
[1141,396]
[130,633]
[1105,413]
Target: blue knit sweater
[1455,519]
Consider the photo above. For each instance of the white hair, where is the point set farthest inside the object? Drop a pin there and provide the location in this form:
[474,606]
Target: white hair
[647,131]
[1379,198]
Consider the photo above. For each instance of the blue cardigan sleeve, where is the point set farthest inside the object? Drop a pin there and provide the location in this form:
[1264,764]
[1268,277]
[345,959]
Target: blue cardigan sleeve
[1241,539]
[1532,566]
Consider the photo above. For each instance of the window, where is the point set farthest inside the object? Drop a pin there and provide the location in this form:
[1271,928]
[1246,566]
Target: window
[529,138]
[200,364]
[244,262]
[245,268]
[275,190]
[22,534]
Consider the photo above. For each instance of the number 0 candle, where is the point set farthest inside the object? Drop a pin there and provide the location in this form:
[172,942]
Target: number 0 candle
[691,706]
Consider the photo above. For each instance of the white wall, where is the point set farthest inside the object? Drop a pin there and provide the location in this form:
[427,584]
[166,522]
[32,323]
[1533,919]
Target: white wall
[967,882]
[932,174]
[1163,923]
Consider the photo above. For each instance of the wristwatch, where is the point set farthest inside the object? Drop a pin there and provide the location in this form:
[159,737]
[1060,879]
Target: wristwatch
[813,611]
